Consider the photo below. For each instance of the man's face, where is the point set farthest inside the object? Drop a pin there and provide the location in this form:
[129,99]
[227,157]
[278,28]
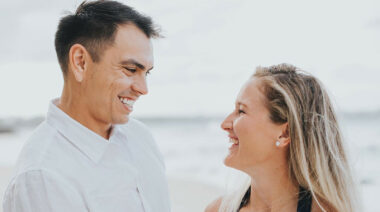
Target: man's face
[114,83]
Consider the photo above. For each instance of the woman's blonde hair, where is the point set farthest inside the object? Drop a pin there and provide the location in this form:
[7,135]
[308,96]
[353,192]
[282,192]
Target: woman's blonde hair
[317,159]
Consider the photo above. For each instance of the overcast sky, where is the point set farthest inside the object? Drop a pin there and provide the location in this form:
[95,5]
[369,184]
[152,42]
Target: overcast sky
[210,49]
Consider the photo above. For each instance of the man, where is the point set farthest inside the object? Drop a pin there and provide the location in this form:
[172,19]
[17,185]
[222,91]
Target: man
[88,155]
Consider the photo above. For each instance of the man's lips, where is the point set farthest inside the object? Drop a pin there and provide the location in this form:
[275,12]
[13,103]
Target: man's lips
[127,101]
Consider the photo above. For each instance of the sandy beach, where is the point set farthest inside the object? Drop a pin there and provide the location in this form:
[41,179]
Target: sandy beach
[186,195]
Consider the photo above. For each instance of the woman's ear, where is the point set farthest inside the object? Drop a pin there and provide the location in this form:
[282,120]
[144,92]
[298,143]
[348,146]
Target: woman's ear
[78,57]
[284,139]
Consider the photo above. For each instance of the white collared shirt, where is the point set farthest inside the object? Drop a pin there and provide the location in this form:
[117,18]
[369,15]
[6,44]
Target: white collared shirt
[66,167]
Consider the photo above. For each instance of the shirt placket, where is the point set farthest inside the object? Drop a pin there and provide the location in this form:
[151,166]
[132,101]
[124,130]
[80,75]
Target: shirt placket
[140,189]
[142,196]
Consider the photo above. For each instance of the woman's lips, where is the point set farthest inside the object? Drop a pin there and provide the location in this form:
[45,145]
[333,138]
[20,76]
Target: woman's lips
[234,141]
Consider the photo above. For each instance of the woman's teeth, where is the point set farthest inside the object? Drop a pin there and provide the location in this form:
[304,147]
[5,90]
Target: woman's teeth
[127,102]
[234,141]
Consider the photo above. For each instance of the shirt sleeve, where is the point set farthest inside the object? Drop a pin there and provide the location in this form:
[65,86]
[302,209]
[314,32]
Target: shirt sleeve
[41,191]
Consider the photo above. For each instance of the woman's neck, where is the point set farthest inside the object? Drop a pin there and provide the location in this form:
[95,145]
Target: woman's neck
[273,190]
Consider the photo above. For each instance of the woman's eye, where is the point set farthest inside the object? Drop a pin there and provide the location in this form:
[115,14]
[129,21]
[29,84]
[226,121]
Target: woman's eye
[147,73]
[241,111]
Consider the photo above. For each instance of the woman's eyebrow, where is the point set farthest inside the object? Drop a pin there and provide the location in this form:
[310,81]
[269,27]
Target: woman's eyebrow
[241,103]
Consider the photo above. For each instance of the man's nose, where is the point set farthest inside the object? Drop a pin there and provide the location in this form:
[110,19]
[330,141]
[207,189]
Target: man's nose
[140,86]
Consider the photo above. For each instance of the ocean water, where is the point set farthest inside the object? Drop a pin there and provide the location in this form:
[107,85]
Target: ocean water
[194,149]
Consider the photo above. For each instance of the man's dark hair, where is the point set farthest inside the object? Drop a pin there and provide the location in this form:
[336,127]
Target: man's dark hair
[94,26]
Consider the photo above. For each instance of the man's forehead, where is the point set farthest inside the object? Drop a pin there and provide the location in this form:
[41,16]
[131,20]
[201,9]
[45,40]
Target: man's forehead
[130,31]
[132,46]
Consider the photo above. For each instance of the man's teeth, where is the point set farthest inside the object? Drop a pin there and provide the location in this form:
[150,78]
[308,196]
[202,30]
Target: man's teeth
[234,141]
[127,102]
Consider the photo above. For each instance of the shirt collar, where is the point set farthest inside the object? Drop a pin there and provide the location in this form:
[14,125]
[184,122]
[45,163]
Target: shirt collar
[87,141]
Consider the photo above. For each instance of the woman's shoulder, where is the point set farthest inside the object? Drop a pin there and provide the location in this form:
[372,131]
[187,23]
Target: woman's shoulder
[214,205]
[322,206]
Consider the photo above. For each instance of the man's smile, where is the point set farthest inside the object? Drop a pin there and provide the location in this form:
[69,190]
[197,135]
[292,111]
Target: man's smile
[127,102]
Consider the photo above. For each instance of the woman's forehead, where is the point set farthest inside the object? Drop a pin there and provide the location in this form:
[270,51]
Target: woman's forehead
[250,93]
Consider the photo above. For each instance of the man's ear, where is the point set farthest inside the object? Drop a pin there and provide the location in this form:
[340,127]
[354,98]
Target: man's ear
[78,61]
[284,138]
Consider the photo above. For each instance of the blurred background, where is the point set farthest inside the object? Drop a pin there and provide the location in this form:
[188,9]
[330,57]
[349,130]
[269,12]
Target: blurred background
[210,50]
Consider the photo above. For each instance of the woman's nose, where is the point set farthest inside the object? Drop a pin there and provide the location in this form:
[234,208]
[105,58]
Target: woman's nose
[227,123]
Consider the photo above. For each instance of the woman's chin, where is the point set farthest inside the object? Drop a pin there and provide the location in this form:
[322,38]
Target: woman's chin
[233,160]
[230,160]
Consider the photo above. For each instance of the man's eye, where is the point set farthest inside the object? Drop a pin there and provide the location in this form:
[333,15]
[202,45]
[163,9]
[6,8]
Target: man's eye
[241,111]
[130,69]
[147,73]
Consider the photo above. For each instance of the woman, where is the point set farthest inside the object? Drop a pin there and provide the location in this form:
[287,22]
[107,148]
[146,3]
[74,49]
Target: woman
[285,136]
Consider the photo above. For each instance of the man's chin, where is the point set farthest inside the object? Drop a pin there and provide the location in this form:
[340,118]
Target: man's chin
[121,120]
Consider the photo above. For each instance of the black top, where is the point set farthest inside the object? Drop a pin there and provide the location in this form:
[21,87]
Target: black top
[304,200]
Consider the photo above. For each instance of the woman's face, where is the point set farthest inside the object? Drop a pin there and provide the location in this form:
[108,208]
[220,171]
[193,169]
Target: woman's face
[252,133]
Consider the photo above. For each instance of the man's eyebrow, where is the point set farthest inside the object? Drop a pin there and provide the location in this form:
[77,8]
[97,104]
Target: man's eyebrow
[134,62]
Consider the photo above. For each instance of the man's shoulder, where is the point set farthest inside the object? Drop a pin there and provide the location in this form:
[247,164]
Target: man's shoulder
[36,147]
[43,131]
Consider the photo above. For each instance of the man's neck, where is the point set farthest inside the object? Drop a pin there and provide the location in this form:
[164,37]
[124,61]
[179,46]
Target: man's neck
[77,110]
